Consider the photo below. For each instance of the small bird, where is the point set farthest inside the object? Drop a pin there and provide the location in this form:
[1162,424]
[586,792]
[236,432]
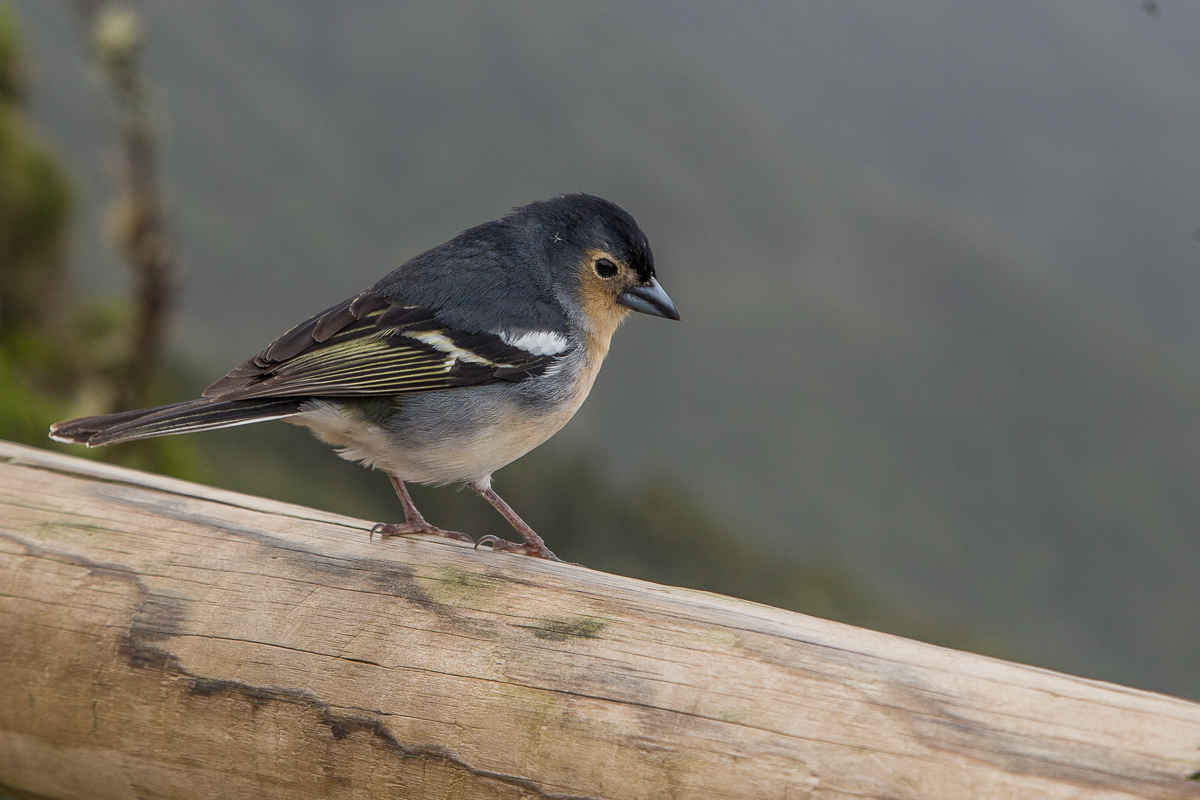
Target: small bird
[456,363]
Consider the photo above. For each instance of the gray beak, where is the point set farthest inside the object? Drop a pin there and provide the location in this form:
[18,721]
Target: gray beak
[649,299]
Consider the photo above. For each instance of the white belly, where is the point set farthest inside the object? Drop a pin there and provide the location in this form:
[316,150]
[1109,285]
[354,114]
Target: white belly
[453,436]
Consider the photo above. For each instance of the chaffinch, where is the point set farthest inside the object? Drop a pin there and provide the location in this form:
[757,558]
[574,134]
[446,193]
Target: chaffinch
[455,364]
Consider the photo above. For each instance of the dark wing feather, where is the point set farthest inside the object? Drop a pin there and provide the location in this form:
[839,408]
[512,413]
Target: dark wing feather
[368,346]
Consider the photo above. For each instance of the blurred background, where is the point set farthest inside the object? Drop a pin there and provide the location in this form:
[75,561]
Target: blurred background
[938,263]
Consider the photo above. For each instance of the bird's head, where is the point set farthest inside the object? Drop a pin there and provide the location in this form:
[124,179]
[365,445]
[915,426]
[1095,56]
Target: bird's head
[601,258]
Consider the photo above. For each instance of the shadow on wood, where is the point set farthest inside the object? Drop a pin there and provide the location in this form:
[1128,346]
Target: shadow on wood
[163,639]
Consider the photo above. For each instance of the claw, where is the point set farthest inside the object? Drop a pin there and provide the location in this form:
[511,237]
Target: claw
[500,545]
[385,530]
[413,521]
[525,548]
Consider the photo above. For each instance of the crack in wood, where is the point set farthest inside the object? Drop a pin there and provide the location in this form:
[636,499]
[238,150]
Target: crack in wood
[145,656]
[158,617]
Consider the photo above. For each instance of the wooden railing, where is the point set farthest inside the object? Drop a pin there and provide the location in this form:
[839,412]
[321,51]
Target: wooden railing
[160,639]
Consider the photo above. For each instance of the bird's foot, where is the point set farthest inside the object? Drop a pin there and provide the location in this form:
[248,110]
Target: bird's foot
[537,550]
[385,530]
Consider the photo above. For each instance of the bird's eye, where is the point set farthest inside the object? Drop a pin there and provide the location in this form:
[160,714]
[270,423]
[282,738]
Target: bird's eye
[605,268]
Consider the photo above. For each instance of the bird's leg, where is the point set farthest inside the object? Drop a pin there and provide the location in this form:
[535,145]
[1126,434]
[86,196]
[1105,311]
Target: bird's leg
[413,521]
[533,546]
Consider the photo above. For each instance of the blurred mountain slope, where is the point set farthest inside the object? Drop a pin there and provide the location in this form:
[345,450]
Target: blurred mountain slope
[1071,127]
[858,369]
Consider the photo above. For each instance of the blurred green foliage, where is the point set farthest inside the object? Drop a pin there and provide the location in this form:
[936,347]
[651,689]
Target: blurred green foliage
[34,204]
[57,355]
[34,207]
[25,412]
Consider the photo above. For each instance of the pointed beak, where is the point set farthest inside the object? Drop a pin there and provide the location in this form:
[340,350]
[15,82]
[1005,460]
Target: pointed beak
[649,299]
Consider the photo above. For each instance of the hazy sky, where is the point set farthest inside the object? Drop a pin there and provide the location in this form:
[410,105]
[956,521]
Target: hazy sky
[1072,127]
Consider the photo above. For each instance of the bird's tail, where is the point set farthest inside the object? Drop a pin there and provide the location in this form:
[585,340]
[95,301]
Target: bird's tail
[187,417]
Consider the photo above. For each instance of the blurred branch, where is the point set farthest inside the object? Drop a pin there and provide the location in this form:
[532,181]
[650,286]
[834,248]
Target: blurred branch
[137,218]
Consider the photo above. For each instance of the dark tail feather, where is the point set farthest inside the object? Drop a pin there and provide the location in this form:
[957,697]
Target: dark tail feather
[188,417]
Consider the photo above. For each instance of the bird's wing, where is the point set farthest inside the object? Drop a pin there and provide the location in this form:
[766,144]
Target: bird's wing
[370,346]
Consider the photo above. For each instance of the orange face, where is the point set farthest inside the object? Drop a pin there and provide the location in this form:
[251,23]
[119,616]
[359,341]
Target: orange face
[602,279]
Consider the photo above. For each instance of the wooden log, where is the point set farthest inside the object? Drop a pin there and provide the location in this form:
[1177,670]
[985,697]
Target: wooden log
[163,639]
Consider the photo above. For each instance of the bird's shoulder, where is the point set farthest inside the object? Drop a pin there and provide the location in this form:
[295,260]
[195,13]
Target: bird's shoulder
[488,278]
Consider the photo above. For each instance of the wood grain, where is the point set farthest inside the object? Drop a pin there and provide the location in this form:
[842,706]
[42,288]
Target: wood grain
[167,640]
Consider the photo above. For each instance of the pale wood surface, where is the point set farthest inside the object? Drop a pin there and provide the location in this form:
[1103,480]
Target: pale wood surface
[167,640]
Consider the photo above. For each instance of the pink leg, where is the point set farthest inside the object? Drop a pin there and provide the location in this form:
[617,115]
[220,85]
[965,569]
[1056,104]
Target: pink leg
[533,546]
[413,521]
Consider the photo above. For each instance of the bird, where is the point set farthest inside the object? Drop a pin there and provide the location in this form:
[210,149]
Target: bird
[456,363]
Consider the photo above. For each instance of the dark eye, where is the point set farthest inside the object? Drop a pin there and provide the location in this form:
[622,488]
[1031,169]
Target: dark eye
[605,268]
